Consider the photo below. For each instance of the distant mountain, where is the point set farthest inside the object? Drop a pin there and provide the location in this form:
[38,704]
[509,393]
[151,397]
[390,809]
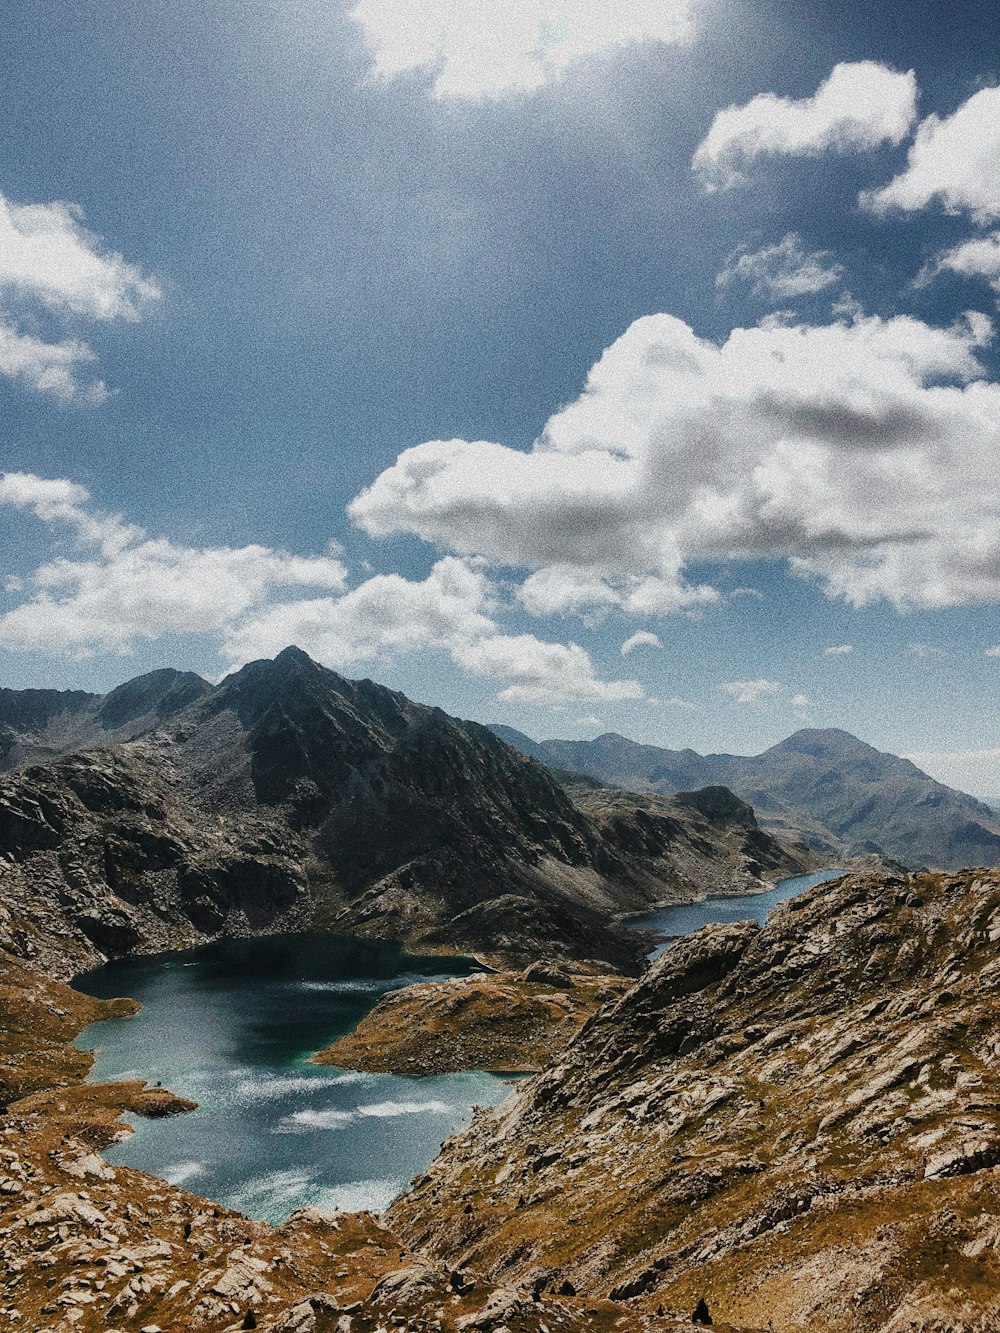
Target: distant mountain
[36,725]
[288,796]
[825,786]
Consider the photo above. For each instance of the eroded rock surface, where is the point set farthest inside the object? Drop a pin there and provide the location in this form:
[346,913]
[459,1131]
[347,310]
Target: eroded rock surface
[799,1123]
[508,1022]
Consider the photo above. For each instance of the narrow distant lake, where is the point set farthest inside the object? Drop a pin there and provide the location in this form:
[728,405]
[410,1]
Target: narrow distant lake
[231,1025]
[688,917]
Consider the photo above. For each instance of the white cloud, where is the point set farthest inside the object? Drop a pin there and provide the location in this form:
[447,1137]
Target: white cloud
[591,722]
[130,587]
[643,638]
[135,587]
[488,51]
[802,702]
[859,106]
[863,451]
[676,702]
[978,258]
[839,650]
[750,691]
[49,260]
[954,160]
[52,368]
[782,272]
[993,652]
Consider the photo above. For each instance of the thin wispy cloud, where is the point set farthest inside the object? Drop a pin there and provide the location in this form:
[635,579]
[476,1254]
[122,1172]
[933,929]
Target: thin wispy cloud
[782,272]
[839,650]
[750,691]
[978,258]
[642,639]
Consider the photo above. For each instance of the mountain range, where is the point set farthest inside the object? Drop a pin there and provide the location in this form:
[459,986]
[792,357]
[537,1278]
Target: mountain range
[838,795]
[288,797]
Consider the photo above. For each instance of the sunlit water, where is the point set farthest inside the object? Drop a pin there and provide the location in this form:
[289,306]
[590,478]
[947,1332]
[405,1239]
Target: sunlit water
[687,917]
[231,1026]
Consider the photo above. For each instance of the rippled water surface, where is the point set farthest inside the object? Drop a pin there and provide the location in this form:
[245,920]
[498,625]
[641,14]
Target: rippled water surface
[231,1026]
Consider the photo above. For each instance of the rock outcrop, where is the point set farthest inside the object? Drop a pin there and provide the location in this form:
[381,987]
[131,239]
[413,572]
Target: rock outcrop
[508,1022]
[799,1124]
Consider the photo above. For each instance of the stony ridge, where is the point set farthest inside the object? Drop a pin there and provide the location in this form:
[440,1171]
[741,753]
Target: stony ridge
[799,1122]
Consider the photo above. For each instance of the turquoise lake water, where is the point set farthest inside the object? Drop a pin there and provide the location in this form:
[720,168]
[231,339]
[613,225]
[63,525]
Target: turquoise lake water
[231,1026]
[687,917]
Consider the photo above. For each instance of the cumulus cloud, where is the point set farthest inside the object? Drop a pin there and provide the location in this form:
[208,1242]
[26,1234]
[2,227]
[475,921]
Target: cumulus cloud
[839,650]
[49,261]
[781,272]
[993,652]
[858,107]
[126,586]
[489,51]
[977,258]
[750,691]
[131,586]
[642,639]
[863,451]
[954,160]
[450,610]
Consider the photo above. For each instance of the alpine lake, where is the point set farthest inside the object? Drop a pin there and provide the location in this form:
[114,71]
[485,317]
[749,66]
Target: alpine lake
[231,1025]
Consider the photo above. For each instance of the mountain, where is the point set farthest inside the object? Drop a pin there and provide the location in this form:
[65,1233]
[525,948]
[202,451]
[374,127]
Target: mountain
[797,1124]
[826,787]
[288,796]
[36,725]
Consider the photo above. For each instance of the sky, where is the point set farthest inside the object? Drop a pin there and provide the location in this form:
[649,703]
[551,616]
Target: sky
[580,367]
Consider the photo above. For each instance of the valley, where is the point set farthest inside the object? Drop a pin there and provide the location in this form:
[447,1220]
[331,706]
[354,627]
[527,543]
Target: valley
[695,1135]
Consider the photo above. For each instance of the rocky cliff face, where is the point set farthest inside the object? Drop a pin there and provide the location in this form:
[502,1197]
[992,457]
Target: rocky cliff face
[799,1123]
[825,787]
[289,797]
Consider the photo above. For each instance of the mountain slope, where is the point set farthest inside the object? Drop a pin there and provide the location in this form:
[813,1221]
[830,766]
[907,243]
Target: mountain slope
[36,725]
[826,786]
[289,796]
[799,1123]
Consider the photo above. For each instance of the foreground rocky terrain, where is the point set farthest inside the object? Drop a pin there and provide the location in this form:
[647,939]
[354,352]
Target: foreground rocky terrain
[88,1247]
[289,798]
[842,797]
[799,1123]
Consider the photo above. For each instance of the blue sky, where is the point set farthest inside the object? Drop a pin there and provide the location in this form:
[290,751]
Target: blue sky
[252,255]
